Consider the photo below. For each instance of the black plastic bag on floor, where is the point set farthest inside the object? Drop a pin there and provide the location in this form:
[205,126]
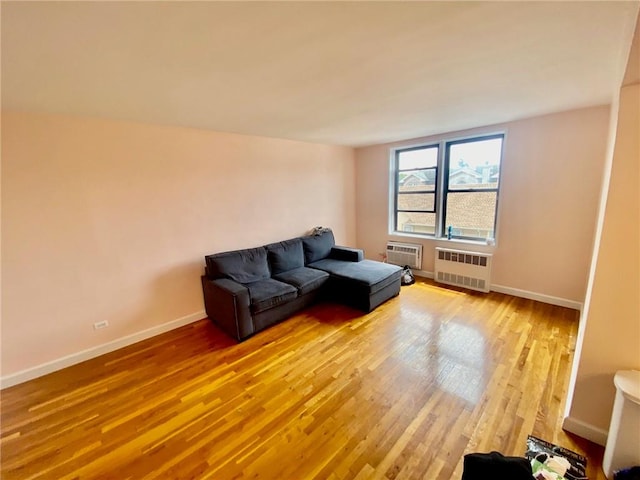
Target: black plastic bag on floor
[407,277]
[495,466]
[632,473]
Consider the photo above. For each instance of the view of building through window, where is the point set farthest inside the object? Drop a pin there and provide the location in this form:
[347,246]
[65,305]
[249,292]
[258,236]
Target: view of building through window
[459,203]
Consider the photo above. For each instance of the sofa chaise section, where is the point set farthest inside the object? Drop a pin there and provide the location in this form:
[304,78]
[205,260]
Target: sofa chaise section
[364,284]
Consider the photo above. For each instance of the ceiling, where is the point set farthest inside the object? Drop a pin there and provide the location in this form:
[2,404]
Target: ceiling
[355,74]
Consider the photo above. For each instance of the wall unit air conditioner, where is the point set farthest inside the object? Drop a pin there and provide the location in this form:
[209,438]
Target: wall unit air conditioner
[405,254]
[464,269]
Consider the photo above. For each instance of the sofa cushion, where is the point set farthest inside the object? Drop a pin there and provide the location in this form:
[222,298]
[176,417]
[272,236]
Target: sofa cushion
[243,266]
[304,279]
[269,293]
[317,247]
[366,274]
[285,256]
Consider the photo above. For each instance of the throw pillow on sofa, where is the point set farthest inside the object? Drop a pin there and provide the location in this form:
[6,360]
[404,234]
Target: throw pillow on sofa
[317,247]
[285,256]
[242,266]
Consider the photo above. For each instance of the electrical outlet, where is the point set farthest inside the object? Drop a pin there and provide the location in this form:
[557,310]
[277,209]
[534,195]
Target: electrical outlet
[99,325]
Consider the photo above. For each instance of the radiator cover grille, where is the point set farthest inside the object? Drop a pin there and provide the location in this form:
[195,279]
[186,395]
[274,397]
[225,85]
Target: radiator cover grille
[464,269]
[405,254]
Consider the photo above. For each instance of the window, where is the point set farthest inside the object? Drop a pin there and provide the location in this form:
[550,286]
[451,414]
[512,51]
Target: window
[416,174]
[449,189]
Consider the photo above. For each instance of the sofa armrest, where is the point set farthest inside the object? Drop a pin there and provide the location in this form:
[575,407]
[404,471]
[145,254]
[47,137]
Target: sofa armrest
[347,254]
[227,304]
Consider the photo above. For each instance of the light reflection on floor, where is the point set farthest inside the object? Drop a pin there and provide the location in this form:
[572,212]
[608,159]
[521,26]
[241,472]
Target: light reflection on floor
[461,361]
[453,354]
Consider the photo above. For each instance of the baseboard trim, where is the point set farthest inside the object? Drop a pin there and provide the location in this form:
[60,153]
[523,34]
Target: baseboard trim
[423,274]
[540,297]
[516,292]
[93,352]
[585,430]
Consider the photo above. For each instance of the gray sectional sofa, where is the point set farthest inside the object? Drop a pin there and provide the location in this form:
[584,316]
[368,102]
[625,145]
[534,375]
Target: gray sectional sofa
[248,290]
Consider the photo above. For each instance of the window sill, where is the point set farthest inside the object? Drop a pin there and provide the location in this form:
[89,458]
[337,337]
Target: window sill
[443,241]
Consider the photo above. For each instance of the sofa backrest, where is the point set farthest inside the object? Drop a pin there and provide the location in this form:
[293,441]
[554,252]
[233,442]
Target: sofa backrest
[286,255]
[242,266]
[316,247]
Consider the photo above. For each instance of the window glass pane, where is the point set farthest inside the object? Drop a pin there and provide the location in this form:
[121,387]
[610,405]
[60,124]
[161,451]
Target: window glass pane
[418,158]
[414,180]
[475,164]
[471,214]
[416,201]
[416,222]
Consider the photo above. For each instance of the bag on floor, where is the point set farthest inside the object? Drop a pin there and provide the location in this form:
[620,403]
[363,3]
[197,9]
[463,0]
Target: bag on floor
[546,456]
[407,277]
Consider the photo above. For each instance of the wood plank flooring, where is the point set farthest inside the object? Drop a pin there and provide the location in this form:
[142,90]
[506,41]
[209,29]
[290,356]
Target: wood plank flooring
[401,393]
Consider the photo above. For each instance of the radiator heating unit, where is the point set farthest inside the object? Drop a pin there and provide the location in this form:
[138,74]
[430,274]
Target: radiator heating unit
[405,254]
[464,269]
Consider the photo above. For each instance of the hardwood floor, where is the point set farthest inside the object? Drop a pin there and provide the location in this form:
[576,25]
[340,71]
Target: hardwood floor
[403,392]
